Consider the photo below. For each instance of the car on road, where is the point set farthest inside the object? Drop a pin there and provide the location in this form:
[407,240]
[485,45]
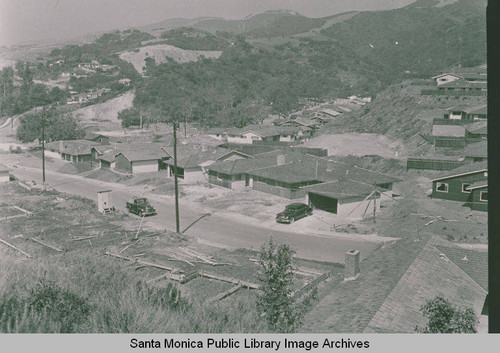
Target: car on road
[141,207]
[293,212]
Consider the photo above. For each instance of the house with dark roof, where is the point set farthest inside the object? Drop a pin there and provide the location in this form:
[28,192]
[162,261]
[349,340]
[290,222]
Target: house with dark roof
[4,173]
[454,184]
[193,160]
[395,282]
[478,200]
[91,136]
[139,158]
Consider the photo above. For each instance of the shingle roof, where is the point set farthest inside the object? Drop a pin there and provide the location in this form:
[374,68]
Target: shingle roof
[192,156]
[479,149]
[239,166]
[143,152]
[464,169]
[72,147]
[400,312]
[341,189]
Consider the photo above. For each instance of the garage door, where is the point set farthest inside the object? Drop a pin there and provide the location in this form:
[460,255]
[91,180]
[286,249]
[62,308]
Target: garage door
[144,166]
[324,203]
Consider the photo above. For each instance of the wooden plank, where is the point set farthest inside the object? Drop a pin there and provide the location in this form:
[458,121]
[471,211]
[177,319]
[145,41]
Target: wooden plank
[142,262]
[13,247]
[311,284]
[229,280]
[167,275]
[128,246]
[192,253]
[226,294]
[47,245]
[83,238]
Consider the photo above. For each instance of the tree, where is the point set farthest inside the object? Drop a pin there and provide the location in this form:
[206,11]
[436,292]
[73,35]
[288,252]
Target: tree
[444,317]
[276,303]
[57,127]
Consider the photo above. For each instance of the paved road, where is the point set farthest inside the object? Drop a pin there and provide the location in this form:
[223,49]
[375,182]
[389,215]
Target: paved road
[218,230]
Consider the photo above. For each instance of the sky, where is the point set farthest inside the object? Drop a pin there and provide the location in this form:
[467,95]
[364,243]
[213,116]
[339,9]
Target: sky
[31,21]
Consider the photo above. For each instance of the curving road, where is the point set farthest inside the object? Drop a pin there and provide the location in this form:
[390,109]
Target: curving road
[215,229]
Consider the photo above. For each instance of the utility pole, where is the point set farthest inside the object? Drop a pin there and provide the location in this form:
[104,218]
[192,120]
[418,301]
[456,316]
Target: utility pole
[43,146]
[177,225]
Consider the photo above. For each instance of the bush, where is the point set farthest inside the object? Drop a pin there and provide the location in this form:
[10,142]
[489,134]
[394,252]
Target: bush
[444,317]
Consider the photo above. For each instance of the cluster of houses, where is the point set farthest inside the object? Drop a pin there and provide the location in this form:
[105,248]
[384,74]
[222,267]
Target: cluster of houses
[326,185]
[78,98]
[261,133]
[95,65]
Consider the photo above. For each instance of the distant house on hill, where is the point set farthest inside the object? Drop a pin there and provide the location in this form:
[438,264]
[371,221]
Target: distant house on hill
[463,86]
[91,136]
[446,78]
[454,184]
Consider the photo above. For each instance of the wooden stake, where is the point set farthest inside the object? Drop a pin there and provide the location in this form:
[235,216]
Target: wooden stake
[47,245]
[128,246]
[13,247]
[138,230]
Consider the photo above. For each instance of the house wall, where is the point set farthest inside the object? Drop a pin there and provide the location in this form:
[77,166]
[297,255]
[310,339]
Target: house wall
[448,130]
[4,176]
[278,190]
[287,138]
[455,187]
[475,202]
[355,208]
[123,164]
[218,180]
[456,115]
[194,175]
[51,154]
[145,166]
[104,164]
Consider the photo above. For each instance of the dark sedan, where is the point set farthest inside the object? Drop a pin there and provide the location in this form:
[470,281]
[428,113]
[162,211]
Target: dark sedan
[293,212]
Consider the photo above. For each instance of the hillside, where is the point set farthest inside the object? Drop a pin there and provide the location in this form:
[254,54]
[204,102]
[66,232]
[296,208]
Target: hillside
[400,113]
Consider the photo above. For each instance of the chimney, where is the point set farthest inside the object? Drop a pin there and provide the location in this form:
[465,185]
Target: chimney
[280,159]
[329,165]
[204,147]
[351,269]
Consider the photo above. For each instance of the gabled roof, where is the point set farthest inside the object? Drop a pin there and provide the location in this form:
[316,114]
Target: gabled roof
[477,127]
[479,149]
[103,148]
[447,74]
[72,147]
[143,152]
[341,189]
[240,166]
[472,168]
[193,156]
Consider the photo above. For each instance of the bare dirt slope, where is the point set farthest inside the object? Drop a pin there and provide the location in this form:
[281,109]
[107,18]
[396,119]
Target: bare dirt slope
[105,115]
[163,51]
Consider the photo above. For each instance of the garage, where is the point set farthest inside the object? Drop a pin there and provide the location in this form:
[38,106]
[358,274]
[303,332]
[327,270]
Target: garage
[324,203]
[144,166]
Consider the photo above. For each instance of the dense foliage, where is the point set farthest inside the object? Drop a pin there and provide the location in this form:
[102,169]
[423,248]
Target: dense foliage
[444,317]
[57,127]
[276,304]
[193,39]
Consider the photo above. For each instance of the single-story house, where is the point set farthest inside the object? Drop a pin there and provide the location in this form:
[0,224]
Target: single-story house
[462,85]
[107,159]
[232,174]
[139,158]
[99,150]
[446,78]
[454,184]
[192,160]
[467,113]
[300,121]
[346,198]
[71,150]
[4,173]
[331,112]
[479,196]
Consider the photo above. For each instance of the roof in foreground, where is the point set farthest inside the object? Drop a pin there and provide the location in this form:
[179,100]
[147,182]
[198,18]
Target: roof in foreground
[341,189]
[479,149]
[464,169]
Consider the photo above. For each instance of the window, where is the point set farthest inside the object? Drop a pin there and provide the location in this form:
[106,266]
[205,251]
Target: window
[442,187]
[485,174]
[483,196]
[464,188]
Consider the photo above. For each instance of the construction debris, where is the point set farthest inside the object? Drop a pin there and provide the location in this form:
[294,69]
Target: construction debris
[45,244]
[15,248]
[226,294]
[128,246]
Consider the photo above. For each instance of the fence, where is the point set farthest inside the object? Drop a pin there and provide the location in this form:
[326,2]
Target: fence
[432,164]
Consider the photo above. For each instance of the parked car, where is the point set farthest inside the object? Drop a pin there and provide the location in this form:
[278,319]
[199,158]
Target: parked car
[293,212]
[141,207]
